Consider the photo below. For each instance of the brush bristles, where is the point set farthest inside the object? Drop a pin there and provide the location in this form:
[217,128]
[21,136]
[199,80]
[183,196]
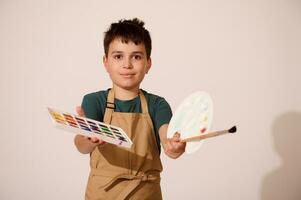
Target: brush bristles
[232,130]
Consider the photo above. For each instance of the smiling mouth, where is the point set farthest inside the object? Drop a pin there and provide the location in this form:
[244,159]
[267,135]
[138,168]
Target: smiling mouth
[127,75]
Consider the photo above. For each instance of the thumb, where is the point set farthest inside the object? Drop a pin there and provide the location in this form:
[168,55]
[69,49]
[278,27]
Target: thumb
[80,111]
[176,136]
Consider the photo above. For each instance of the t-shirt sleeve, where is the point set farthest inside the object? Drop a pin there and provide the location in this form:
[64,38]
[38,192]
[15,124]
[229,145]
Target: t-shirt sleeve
[91,107]
[163,113]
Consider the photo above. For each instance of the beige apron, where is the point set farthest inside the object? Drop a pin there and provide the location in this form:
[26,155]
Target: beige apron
[121,173]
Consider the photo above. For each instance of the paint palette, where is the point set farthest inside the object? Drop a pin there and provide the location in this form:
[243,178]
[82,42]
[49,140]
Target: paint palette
[90,128]
[192,118]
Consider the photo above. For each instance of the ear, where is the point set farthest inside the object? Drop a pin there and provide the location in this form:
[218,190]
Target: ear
[148,65]
[105,62]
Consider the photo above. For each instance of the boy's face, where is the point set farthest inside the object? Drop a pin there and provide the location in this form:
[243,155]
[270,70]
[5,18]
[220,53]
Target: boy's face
[126,64]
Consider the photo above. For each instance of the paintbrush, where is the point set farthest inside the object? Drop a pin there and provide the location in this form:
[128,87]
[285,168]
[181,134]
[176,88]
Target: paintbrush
[209,135]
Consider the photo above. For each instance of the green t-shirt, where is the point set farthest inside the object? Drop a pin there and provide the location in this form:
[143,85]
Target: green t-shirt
[94,105]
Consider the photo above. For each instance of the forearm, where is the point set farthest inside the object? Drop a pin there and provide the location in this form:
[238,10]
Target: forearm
[163,135]
[83,144]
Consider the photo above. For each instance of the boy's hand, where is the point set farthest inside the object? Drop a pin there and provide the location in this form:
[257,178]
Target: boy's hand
[174,147]
[83,143]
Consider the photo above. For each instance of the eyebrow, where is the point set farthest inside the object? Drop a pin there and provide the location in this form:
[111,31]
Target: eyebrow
[134,52]
[116,52]
[138,52]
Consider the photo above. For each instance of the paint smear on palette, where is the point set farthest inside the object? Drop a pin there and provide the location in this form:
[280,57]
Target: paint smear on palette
[203,130]
[204,124]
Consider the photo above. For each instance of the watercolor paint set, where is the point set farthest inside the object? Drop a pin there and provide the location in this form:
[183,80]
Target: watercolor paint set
[90,128]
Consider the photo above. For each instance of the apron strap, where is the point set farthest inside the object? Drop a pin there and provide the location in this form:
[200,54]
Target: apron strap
[135,181]
[144,106]
[110,107]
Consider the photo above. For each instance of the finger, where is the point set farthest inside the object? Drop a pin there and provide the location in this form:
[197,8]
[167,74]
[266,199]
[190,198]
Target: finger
[101,142]
[177,135]
[94,140]
[80,111]
[169,144]
[178,144]
[179,148]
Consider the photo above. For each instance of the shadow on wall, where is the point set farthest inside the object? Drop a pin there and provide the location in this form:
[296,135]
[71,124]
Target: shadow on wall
[284,183]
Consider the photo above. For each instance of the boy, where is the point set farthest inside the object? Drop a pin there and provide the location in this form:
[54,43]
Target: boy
[119,173]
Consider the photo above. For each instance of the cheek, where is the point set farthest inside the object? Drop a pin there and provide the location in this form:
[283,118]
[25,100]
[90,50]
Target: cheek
[113,67]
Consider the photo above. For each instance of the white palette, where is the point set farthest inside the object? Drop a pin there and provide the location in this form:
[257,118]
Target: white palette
[193,117]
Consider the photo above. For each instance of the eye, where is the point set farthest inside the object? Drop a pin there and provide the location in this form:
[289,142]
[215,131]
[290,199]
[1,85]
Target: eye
[117,56]
[137,57]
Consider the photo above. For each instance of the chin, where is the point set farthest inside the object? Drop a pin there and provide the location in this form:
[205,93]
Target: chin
[128,86]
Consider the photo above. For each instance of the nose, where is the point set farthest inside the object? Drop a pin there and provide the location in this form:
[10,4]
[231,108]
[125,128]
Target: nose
[127,63]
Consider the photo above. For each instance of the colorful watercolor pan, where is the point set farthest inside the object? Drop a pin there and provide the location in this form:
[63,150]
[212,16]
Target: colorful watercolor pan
[90,128]
[193,117]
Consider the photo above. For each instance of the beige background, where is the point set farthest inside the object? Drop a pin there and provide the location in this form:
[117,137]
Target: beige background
[246,54]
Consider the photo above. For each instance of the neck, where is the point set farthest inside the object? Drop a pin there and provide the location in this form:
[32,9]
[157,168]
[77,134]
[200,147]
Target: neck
[125,94]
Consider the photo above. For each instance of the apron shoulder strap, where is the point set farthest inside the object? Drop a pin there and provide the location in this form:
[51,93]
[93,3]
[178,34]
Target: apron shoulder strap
[110,107]
[144,106]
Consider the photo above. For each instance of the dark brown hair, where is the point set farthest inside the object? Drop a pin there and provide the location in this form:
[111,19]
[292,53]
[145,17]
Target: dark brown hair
[128,30]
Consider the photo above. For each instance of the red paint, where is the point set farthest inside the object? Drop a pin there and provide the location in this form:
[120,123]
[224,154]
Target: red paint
[203,130]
